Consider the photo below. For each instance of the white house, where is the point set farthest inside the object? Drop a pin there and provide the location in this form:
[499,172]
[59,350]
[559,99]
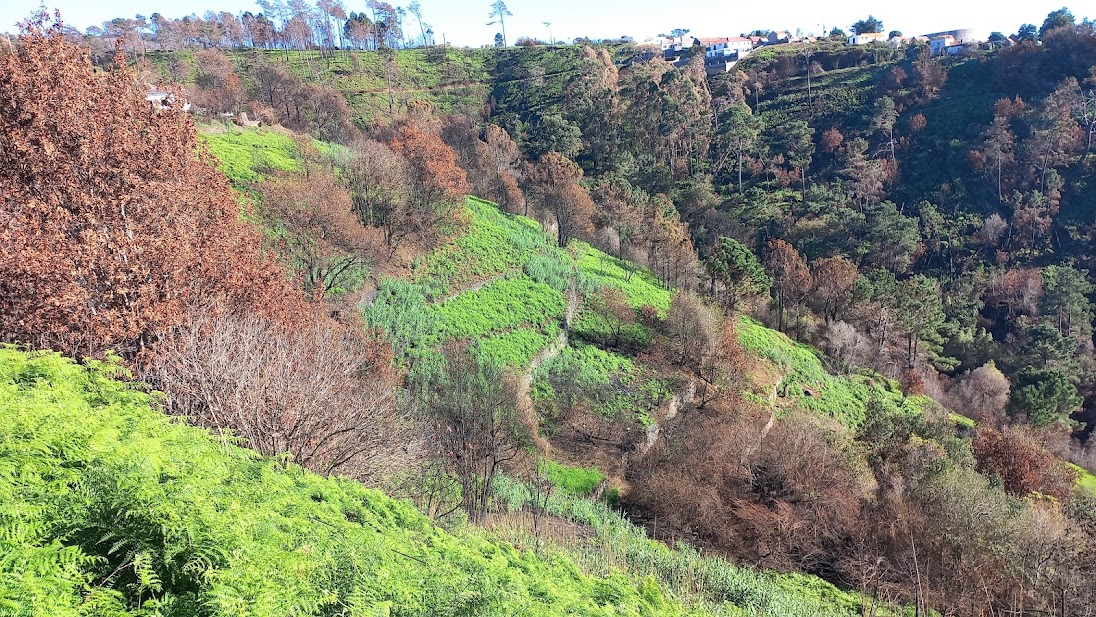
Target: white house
[940,44]
[664,42]
[162,99]
[740,44]
[726,47]
[867,37]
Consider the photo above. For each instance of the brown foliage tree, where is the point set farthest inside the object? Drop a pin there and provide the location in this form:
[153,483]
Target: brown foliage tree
[276,85]
[316,230]
[779,494]
[670,252]
[791,279]
[438,184]
[309,107]
[723,371]
[930,75]
[113,219]
[832,140]
[833,278]
[505,165]
[1022,463]
[556,182]
[219,87]
[998,153]
[492,164]
[326,114]
[619,217]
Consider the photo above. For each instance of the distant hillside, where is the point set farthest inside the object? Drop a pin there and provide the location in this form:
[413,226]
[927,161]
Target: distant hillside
[450,80]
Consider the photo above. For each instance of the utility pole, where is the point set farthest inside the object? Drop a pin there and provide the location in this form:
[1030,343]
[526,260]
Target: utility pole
[551,39]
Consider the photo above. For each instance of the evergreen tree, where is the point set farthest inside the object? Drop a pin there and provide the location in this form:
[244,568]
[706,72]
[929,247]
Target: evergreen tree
[737,271]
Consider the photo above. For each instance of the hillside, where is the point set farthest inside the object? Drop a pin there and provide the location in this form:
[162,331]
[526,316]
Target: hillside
[111,507]
[451,80]
[606,334]
[603,402]
[114,507]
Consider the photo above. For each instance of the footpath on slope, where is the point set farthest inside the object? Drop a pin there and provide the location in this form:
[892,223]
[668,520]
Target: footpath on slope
[525,386]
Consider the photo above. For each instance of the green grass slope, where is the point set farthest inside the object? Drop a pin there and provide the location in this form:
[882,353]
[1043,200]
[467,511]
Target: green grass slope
[109,508]
[246,155]
[449,79]
[807,383]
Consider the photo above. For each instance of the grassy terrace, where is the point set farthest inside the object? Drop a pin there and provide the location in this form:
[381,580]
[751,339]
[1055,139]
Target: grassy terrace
[245,154]
[811,386]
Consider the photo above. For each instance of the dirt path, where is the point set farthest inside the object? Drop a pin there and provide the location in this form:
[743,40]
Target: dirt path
[369,297]
[665,415]
[525,386]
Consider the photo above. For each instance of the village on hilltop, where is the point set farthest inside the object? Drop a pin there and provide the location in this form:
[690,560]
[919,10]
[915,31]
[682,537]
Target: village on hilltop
[721,54]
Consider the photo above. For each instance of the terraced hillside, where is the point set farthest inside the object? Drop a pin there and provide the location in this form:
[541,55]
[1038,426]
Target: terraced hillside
[505,288]
[110,507]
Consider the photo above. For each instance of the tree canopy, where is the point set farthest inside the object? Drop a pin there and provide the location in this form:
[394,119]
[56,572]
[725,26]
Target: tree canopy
[867,26]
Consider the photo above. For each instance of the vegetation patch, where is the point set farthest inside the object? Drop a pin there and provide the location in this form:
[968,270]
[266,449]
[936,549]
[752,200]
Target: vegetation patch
[593,326]
[641,287]
[1086,480]
[245,155]
[494,242]
[607,383]
[516,301]
[577,480]
[709,584]
[108,507]
[517,348]
[811,386]
[962,421]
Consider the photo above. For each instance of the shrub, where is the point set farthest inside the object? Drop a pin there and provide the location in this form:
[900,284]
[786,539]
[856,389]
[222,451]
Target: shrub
[324,394]
[399,310]
[1022,463]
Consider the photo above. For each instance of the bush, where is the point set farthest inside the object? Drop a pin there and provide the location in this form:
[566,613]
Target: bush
[1022,464]
[322,394]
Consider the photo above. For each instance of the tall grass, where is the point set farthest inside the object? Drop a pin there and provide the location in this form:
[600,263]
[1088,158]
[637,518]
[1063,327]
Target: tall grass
[602,540]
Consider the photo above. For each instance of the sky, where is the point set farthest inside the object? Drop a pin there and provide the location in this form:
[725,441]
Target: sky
[464,22]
